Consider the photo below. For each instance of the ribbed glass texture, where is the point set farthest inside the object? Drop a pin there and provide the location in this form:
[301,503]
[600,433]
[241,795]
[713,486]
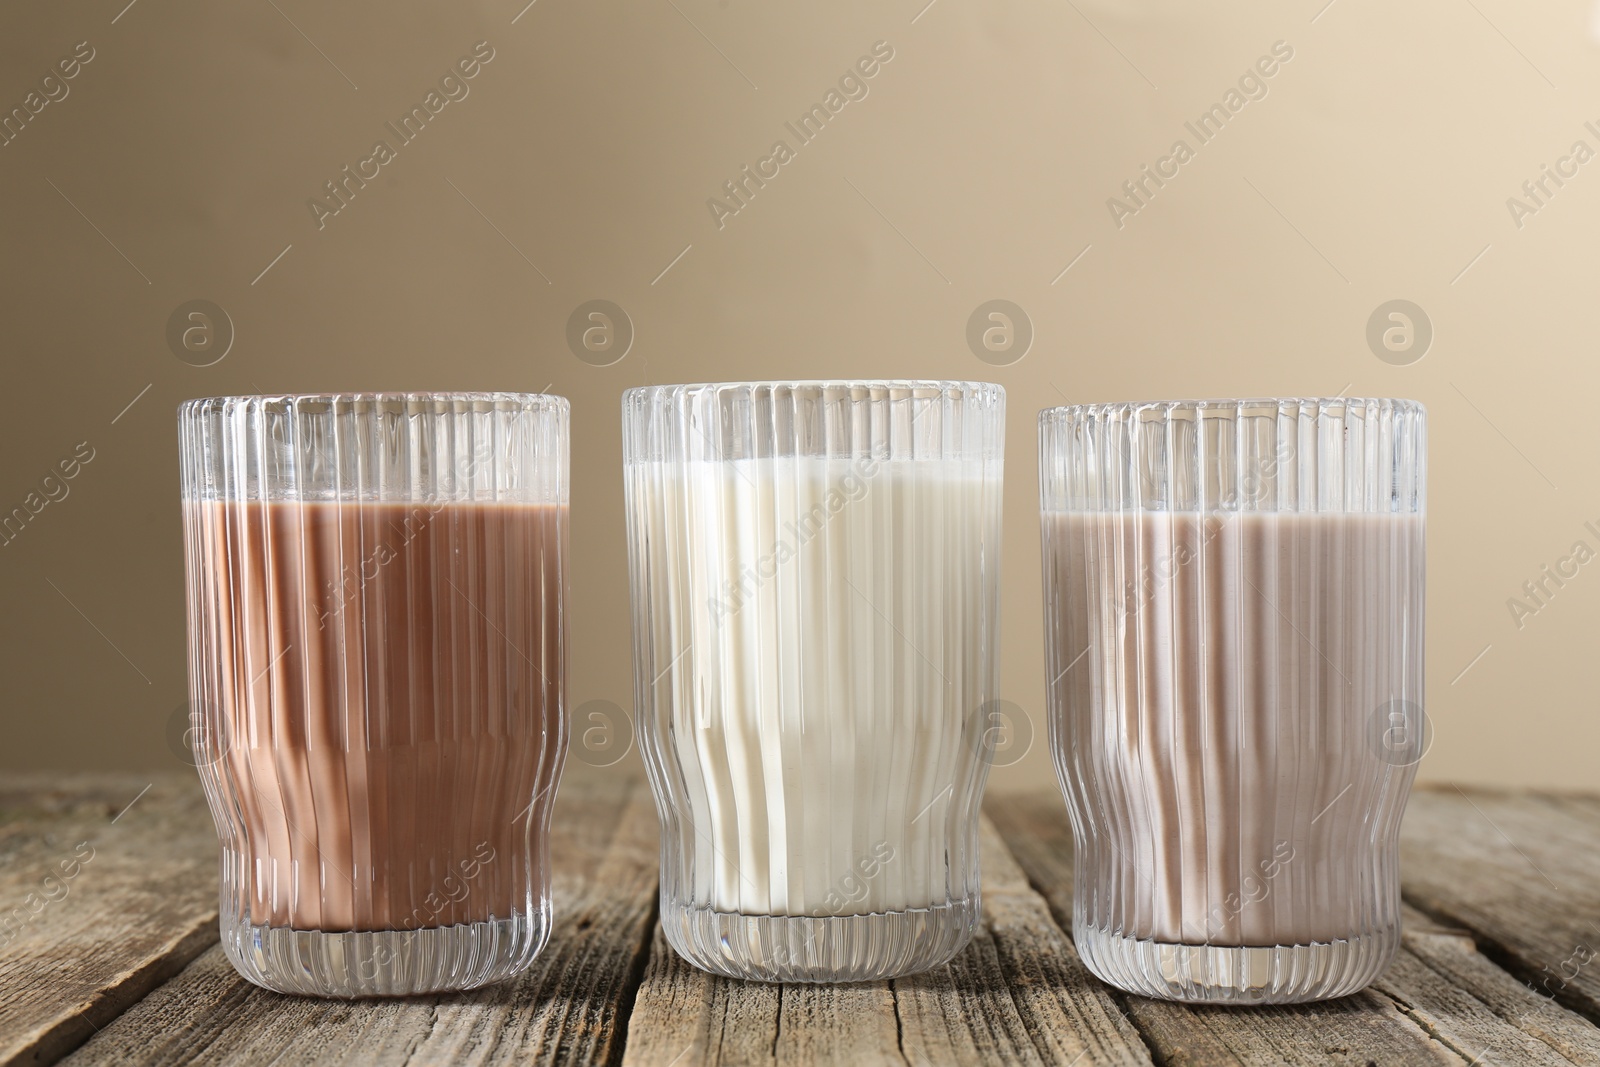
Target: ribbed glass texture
[1234,643]
[815,575]
[377,656]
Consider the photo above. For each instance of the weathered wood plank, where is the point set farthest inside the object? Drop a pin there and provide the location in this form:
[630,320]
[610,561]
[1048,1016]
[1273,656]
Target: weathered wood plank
[1066,1015]
[107,888]
[1522,872]
[1411,1017]
[1361,1029]
[1517,872]
[937,1011]
[835,1024]
[1456,994]
[1018,994]
[683,1016]
[1583,806]
[570,1007]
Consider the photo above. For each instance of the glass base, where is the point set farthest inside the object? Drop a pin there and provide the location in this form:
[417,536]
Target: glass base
[835,948]
[387,963]
[1220,974]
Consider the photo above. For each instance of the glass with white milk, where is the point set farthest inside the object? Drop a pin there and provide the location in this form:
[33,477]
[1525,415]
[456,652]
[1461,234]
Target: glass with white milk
[815,578]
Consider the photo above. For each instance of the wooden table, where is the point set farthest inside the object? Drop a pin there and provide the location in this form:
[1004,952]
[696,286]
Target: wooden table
[1500,964]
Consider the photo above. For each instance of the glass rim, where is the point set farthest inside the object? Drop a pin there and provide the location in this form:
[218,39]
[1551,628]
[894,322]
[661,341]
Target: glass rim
[294,401]
[820,384]
[1225,404]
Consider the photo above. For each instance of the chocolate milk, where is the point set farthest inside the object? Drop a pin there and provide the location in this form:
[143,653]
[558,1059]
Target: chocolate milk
[1225,696]
[383,687]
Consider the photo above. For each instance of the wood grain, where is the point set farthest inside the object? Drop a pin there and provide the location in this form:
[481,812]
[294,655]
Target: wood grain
[570,1007]
[1522,872]
[108,886]
[1440,1002]
[1500,961]
[1066,1014]
[684,1016]
[1017,994]
[1456,994]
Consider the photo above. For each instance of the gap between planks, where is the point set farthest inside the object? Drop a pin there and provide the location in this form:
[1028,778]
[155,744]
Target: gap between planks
[1017,994]
[1519,870]
[1440,1001]
[131,863]
[569,1007]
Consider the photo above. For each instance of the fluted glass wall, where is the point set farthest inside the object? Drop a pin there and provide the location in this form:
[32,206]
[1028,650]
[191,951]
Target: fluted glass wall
[1234,640]
[815,589]
[377,660]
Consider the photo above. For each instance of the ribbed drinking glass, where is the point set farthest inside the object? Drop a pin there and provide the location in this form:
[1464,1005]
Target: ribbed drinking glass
[815,575]
[376,668]
[1234,638]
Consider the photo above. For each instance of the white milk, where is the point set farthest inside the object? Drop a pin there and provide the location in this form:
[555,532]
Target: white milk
[815,636]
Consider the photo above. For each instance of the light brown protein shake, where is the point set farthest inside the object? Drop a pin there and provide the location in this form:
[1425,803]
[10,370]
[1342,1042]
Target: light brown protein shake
[389,680]
[1225,724]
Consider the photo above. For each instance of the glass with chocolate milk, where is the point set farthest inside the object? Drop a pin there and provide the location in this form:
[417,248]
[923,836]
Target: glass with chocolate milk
[1234,646]
[377,660]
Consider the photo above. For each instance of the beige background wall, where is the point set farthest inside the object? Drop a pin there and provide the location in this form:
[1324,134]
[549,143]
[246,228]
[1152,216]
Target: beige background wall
[1376,167]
